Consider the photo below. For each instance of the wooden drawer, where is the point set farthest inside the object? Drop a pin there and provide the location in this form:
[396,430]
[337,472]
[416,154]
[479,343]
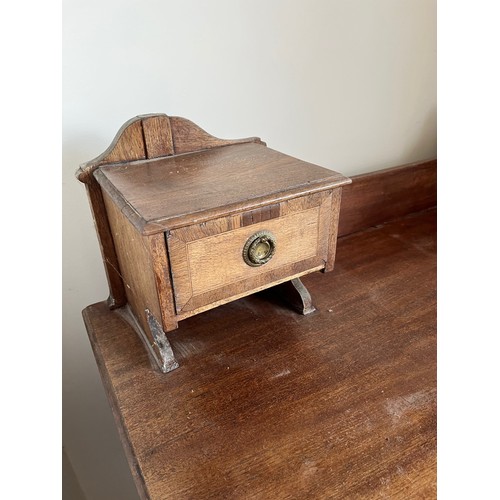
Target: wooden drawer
[207,263]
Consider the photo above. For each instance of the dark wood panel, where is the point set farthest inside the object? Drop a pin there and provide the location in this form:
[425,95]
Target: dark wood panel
[384,195]
[270,404]
[260,214]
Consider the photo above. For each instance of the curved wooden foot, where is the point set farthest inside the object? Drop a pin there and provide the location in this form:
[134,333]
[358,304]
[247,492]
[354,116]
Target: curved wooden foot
[161,350]
[157,345]
[297,295]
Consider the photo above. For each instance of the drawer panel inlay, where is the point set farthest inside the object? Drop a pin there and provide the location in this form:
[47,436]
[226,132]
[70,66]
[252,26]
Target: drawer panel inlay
[207,267]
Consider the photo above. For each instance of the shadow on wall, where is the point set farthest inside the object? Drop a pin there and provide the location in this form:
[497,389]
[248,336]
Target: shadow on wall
[71,489]
[89,433]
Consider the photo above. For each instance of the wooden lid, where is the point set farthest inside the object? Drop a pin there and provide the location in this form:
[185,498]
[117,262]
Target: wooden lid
[164,193]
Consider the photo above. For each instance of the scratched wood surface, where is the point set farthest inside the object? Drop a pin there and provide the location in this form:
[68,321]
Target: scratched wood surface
[175,191]
[268,404]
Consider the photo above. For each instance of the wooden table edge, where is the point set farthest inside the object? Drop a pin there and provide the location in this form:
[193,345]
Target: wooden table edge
[113,403]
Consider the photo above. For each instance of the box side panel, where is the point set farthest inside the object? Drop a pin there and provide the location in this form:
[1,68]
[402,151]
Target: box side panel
[333,228]
[137,267]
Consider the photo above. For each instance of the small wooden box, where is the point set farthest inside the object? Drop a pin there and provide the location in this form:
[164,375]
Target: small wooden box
[188,222]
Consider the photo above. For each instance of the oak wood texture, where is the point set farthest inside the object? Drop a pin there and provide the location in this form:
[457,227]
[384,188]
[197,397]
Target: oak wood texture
[117,296]
[172,192]
[164,179]
[340,403]
[136,263]
[144,271]
[333,219]
[380,196]
[153,136]
[206,259]
[142,137]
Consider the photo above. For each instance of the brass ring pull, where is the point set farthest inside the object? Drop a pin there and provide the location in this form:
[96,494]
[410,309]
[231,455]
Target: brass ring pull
[259,248]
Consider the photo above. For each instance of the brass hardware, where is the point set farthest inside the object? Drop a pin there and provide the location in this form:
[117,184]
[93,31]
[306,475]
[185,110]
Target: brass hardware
[259,248]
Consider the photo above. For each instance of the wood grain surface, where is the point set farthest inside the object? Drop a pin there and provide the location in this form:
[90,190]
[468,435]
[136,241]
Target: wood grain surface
[206,259]
[268,404]
[117,296]
[216,261]
[383,195]
[136,264]
[172,192]
[152,136]
[142,137]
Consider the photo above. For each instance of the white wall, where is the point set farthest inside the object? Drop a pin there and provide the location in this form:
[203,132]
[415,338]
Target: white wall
[347,84]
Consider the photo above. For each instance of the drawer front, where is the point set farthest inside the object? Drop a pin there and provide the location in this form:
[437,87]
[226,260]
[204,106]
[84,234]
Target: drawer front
[208,261]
